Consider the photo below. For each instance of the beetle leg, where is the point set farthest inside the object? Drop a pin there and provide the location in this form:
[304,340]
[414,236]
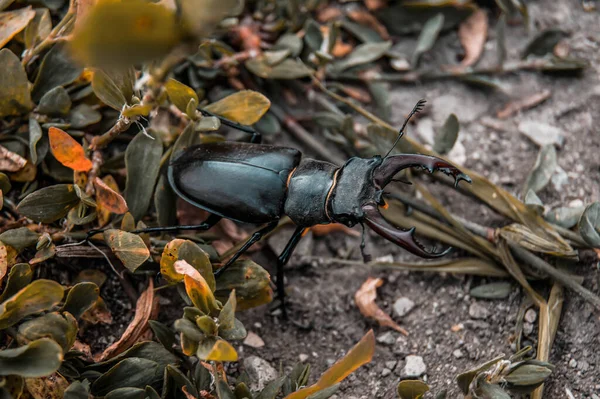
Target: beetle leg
[256,135]
[403,238]
[253,239]
[282,261]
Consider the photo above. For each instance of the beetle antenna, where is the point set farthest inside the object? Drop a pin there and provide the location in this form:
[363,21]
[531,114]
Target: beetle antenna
[418,107]
[227,122]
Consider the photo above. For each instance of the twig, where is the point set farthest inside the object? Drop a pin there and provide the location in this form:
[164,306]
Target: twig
[122,125]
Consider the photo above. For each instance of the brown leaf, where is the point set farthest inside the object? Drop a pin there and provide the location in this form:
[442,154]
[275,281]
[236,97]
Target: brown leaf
[3,261]
[138,325]
[341,49]
[99,313]
[473,34]
[13,22]
[522,104]
[367,19]
[326,14]
[68,151]
[325,229]
[375,4]
[365,300]
[51,387]
[108,198]
[9,161]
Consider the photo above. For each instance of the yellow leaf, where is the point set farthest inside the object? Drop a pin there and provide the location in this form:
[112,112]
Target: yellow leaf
[180,94]
[122,33]
[245,107]
[200,294]
[128,247]
[222,351]
[36,297]
[179,249]
[362,353]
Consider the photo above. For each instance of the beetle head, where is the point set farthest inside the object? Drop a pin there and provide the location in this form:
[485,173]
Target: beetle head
[382,175]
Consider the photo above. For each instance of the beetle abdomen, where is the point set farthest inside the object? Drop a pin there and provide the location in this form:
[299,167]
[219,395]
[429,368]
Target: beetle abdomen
[239,181]
[308,191]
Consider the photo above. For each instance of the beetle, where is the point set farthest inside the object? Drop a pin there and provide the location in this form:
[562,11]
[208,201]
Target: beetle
[259,184]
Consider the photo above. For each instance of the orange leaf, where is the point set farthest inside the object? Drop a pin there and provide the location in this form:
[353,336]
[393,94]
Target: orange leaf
[108,198]
[362,353]
[197,288]
[473,34]
[325,229]
[143,309]
[3,261]
[68,151]
[365,300]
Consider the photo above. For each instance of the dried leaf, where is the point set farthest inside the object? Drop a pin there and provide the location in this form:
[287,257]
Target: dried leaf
[37,359]
[51,387]
[367,19]
[412,389]
[109,199]
[129,248]
[365,300]
[3,261]
[427,37]
[143,310]
[13,22]
[36,297]
[10,161]
[67,151]
[542,171]
[99,313]
[245,107]
[146,32]
[517,106]
[188,251]
[360,354]
[473,34]
[142,160]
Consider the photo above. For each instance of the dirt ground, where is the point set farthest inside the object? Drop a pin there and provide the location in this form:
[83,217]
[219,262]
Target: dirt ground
[325,290]
[505,156]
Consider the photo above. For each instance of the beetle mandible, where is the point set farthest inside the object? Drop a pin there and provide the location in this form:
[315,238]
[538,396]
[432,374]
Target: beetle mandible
[258,183]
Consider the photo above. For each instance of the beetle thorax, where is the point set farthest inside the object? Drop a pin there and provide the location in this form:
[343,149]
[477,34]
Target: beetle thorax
[354,188]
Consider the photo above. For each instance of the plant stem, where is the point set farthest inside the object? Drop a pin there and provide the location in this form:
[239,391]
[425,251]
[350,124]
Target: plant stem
[122,125]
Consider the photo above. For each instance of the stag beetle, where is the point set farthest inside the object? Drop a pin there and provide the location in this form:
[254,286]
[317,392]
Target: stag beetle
[257,183]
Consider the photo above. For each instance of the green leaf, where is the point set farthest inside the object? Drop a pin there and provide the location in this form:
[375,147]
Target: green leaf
[114,87]
[287,69]
[128,247]
[19,238]
[180,94]
[447,135]
[49,204]
[566,217]
[491,391]
[412,389]
[544,42]
[62,329]
[542,171]
[36,359]
[272,389]
[132,372]
[78,390]
[589,225]
[464,379]
[245,107]
[164,335]
[528,375]
[250,281]
[363,54]
[18,277]
[148,350]
[57,69]
[126,393]
[142,160]
[223,390]
[146,32]
[83,115]
[15,98]
[498,290]
[403,19]
[428,37]
[80,298]
[55,102]
[177,380]
[36,297]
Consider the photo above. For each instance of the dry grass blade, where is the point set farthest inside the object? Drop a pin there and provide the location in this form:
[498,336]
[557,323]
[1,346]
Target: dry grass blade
[471,266]
[143,309]
[365,300]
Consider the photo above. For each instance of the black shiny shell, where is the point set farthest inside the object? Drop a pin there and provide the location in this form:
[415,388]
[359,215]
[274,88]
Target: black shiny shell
[239,181]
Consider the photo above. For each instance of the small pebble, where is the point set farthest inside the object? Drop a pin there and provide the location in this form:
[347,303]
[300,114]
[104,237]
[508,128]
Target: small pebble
[530,316]
[527,328]
[403,306]
[414,367]
[391,364]
[478,311]
[253,340]
[457,354]
[386,338]
[385,372]
[303,357]
[572,363]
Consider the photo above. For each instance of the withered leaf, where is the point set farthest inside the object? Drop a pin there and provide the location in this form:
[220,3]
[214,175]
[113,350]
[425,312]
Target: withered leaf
[188,251]
[10,161]
[128,247]
[109,199]
[143,310]
[36,297]
[473,34]
[3,261]
[68,151]
[519,105]
[13,22]
[365,300]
